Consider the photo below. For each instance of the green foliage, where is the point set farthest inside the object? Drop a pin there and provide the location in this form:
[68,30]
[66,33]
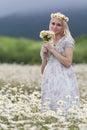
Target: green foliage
[19,50]
[27,51]
[80,51]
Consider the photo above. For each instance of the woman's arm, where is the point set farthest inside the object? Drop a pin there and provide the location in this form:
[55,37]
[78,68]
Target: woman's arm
[44,62]
[65,60]
[44,59]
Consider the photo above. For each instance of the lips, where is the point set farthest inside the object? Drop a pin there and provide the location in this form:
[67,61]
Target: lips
[55,30]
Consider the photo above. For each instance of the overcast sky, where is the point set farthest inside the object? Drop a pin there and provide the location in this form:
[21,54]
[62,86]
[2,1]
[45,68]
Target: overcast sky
[30,6]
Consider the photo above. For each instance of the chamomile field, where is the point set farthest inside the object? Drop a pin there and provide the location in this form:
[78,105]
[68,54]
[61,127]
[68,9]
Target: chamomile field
[20,101]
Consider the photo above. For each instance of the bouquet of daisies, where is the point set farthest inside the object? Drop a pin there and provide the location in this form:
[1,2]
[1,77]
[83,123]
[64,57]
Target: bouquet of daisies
[47,35]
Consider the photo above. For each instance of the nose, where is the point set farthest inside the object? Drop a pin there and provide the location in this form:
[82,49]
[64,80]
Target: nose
[54,26]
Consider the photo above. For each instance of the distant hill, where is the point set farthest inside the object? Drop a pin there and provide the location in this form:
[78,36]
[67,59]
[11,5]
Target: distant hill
[26,25]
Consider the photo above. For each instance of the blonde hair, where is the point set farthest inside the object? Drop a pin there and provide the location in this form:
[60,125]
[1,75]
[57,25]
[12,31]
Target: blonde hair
[67,31]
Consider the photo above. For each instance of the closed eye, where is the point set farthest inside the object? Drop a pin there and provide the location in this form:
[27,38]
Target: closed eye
[59,24]
[53,23]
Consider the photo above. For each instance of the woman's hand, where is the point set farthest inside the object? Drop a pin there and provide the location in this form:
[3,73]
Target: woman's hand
[48,46]
[45,50]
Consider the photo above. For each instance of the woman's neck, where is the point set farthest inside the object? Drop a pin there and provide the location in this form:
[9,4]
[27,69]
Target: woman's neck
[57,38]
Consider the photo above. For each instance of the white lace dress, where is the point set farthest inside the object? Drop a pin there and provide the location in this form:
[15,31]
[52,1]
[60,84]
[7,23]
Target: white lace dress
[59,83]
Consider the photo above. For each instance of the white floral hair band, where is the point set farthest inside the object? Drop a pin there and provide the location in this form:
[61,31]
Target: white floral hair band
[59,16]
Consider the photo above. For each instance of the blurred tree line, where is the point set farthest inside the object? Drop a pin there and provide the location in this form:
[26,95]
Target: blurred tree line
[27,51]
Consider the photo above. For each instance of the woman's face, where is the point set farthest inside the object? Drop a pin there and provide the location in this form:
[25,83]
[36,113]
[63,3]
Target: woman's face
[56,26]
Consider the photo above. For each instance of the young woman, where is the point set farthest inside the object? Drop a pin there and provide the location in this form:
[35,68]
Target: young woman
[59,84]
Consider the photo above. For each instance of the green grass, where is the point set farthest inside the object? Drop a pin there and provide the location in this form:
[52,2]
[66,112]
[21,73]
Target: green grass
[27,51]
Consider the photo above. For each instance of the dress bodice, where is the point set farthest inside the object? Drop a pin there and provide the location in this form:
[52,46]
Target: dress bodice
[60,48]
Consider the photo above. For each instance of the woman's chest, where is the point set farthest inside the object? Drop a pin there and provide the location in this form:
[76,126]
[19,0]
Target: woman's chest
[60,48]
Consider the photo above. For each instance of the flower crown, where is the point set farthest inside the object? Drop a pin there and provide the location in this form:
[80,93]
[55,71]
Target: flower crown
[59,16]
